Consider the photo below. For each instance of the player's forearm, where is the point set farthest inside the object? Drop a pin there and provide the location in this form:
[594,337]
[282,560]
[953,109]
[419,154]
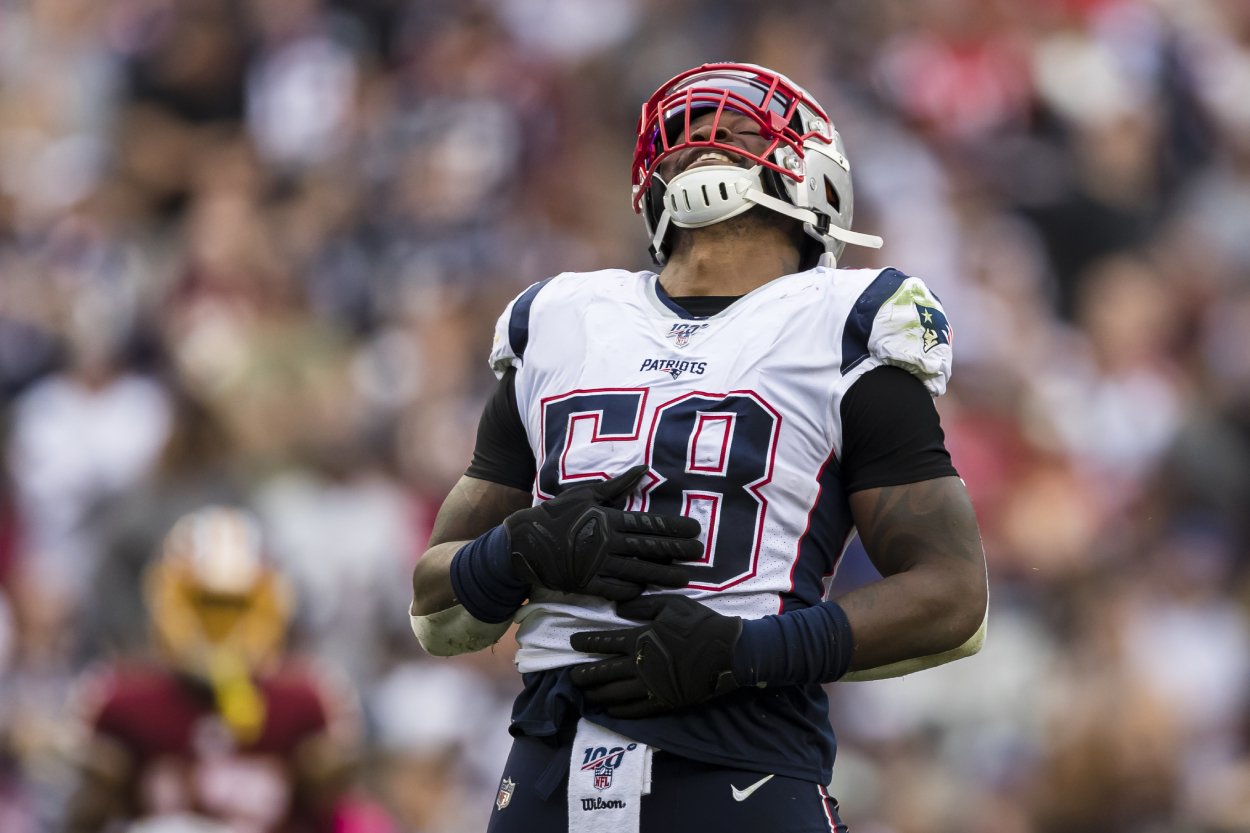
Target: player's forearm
[474,507]
[921,612]
[431,580]
[911,666]
[923,537]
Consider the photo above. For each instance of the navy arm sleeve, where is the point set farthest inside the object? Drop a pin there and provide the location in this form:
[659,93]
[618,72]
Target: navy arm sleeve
[502,454]
[891,436]
[483,580]
[813,645]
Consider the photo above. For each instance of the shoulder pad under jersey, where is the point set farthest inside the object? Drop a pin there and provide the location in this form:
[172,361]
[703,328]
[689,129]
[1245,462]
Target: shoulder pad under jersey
[899,321]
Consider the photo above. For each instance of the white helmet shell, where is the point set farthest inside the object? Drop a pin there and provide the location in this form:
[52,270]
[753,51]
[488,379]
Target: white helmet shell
[806,175]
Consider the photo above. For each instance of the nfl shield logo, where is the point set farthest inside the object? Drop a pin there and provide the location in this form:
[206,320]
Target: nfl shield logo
[681,333]
[602,762]
[506,788]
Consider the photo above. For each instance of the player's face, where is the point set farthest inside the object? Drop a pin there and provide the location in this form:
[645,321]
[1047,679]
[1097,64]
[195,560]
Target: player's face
[732,129]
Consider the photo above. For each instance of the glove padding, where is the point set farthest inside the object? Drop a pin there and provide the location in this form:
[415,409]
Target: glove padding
[577,543]
[682,656]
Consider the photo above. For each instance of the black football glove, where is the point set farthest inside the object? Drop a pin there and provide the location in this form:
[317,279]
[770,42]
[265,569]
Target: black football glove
[577,543]
[682,656]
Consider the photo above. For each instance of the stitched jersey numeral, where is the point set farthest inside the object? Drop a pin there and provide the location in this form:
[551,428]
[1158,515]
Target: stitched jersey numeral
[709,455]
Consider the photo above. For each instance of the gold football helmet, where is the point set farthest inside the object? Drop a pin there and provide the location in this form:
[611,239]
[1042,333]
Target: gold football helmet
[219,611]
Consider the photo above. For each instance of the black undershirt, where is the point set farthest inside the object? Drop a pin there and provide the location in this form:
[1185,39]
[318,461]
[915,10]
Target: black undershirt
[702,306]
[891,434]
[502,454]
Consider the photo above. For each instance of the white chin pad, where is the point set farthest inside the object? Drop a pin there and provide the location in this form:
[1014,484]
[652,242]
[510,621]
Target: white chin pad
[708,194]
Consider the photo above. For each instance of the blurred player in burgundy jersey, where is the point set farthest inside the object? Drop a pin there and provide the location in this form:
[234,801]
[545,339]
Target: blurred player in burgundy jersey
[227,733]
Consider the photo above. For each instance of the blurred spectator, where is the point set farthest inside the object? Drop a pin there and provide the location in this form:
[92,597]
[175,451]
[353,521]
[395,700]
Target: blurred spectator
[60,84]
[78,437]
[428,719]
[1117,407]
[301,88]
[195,470]
[957,74]
[346,536]
[1112,746]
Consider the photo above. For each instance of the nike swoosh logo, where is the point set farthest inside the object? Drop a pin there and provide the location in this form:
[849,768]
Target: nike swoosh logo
[743,795]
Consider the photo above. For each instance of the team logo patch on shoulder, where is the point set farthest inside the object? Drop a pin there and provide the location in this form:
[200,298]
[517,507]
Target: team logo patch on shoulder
[682,332]
[506,788]
[673,367]
[936,329]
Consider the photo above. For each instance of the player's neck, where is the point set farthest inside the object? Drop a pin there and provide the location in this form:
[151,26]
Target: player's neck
[729,258]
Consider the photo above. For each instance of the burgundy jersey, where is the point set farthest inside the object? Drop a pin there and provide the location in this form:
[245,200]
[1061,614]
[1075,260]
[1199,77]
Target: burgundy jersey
[186,760]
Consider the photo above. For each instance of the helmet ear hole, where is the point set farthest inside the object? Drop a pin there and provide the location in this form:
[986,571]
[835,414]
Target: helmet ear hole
[832,197]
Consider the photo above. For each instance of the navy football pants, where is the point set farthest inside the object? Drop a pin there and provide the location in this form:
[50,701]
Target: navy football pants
[685,795]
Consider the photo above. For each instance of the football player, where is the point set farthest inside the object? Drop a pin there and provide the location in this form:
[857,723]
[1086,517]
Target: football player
[672,465]
[224,735]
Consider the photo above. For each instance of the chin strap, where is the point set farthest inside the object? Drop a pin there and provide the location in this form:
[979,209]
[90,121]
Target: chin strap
[661,229]
[854,238]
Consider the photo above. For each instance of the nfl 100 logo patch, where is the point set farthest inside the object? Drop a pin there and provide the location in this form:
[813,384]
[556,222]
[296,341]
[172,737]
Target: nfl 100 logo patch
[506,788]
[681,333]
[602,762]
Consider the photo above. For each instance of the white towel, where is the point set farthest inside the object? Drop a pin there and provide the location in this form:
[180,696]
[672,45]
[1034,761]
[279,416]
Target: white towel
[608,776]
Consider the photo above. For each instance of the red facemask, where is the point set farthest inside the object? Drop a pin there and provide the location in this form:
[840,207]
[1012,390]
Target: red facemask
[768,98]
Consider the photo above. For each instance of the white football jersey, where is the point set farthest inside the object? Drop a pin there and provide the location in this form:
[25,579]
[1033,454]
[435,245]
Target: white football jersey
[737,416]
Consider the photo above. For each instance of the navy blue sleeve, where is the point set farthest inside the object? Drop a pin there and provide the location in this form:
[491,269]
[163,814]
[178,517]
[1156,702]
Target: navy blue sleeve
[813,645]
[483,580]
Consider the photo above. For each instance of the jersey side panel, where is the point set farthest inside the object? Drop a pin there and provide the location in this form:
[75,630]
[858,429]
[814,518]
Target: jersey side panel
[829,526]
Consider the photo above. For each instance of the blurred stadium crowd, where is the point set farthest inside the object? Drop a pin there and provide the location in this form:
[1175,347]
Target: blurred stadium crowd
[251,252]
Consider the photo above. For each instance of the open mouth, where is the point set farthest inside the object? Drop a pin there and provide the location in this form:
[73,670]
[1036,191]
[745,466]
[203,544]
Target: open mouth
[714,157]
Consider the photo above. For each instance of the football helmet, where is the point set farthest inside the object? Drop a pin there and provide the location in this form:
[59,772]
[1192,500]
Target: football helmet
[802,174]
[219,612]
